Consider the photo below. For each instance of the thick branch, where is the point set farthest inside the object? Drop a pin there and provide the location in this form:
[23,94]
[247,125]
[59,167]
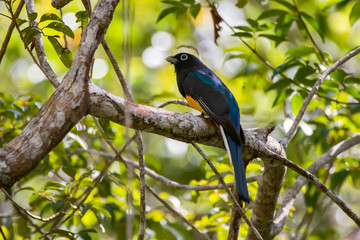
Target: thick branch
[62,111]
[266,199]
[182,127]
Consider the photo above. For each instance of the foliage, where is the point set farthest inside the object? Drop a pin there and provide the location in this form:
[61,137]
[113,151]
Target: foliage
[274,52]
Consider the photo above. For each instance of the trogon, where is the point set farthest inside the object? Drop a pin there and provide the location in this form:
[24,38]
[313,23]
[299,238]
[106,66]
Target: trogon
[205,91]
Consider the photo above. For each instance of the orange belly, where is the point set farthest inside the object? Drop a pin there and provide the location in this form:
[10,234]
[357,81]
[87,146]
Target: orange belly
[194,104]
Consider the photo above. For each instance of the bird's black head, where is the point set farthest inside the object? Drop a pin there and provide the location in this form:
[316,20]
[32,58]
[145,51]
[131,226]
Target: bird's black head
[184,61]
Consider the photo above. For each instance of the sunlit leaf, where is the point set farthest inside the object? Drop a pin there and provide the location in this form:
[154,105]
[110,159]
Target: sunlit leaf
[50,16]
[300,51]
[355,13]
[272,13]
[61,27]
[353,92]
[296,103]
[286,4]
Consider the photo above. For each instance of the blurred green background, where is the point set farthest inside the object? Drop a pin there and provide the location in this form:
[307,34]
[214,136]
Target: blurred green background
[140,43]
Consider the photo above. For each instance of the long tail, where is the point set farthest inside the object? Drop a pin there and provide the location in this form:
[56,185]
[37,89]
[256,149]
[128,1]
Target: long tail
[235,154]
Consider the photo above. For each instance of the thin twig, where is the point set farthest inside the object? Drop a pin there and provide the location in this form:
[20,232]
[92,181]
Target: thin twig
[171,209]
[233,198]
[267,63]
[180,102]
[290,134]
[43,63]
[142,185]
[309,34]
[292,193]
[130,168]
[2,232]
[332,195]
[8,6]
[21,212]
[168,182]
[10,30]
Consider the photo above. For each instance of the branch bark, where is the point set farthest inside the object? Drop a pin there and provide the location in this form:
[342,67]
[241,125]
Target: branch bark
[62,111]
[290,197]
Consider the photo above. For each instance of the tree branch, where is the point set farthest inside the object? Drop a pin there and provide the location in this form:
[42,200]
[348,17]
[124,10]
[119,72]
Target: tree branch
[62,111]
[10,30]
[333,196]
[290,134]
[290,197]
[39,48]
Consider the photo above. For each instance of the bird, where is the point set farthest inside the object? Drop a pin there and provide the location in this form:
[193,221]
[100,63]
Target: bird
[205,92]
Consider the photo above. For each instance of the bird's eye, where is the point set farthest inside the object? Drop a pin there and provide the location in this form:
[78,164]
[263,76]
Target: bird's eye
[183,57]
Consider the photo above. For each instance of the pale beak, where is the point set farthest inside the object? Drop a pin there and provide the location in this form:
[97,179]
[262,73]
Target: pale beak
[172,59]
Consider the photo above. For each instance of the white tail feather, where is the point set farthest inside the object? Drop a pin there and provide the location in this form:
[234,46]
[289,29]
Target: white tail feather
[226,143]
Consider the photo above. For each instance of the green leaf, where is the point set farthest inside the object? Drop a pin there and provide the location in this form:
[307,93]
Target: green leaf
[265,26]
[296,103]
[60,27]
[29,33]
[174,3]
[166,12]
[355,13]
[105,124]
[243,35]
[23,227]
[338,178]
[279,85]
[53,186]
[82,17]
[285,66]
[276,39]
[272,13]
[352,80]
[282,96]
[32,16]
[192,2]
[20,21]
[244,28]
[314,24]
[353,92]
[64,233]
[64,54]
[297,52]
[253,23]
[50,16]
[56,45]
[303,72]
[66,57]
[23,189]
[194,10]
[286,4]
[241,3]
